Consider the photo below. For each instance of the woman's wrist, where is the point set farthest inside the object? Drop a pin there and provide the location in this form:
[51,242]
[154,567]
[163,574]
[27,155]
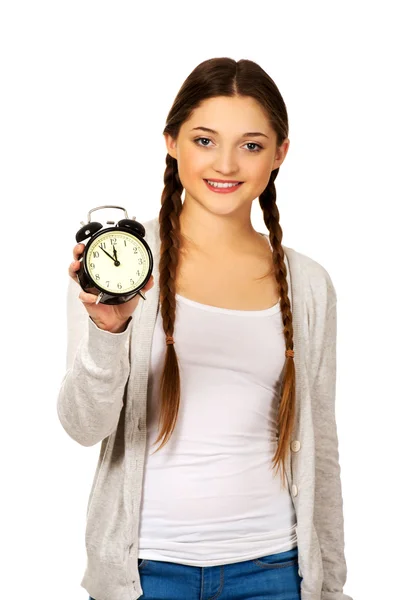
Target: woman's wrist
[117,329]
[120,328]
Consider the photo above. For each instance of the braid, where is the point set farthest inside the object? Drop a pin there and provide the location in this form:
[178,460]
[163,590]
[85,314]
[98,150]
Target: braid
[171,207]
[287,402]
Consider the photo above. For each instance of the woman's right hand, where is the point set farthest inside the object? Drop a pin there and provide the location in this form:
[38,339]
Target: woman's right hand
[110,317]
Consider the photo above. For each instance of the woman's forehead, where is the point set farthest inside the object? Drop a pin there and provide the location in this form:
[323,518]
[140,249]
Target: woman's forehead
[225,114]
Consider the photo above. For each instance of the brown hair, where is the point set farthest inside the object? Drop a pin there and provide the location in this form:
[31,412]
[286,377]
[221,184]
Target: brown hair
[212,78]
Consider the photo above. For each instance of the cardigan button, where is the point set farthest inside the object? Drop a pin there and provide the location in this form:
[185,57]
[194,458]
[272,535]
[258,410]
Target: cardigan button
[295,445]
[294,490]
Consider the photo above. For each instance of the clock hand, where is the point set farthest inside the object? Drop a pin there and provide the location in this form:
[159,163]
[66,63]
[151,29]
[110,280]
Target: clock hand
[112,258]
[117,263]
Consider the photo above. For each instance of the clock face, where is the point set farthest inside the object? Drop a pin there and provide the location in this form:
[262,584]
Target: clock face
[117,262]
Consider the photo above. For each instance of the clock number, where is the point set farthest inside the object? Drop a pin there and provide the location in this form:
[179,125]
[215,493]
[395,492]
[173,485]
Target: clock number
[132,282]
[92,265]
[97,277]
[108,283]
[113,241]
[125,242]
[103,245]
[140,261]
[134,250]
[119,286]
[138,272]
[95,254]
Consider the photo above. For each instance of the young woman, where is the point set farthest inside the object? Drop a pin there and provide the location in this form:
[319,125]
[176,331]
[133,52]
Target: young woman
[230,362]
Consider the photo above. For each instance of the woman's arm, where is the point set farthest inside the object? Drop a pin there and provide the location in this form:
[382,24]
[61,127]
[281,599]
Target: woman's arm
[328,507]
[92,390]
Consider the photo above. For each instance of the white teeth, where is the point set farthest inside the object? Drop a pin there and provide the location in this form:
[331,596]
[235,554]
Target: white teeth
[221,185]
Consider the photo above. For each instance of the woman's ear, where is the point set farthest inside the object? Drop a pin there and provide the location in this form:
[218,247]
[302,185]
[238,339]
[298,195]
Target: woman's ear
[281,153]
[171,145]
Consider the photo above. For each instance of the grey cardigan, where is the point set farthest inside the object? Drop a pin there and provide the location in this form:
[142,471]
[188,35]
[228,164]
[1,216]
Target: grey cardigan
[102,398]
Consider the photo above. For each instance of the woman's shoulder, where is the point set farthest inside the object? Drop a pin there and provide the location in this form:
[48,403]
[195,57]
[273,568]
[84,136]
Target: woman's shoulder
[152,232]
[313,276]
[151,225]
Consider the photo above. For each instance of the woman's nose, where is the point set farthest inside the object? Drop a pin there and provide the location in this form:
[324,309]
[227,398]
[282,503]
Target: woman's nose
[225,161]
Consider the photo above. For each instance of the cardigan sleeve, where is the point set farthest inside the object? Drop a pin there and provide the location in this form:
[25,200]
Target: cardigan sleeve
[328,504]
[92,391]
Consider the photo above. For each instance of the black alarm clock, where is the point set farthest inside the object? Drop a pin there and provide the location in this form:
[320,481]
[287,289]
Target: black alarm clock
[116,260]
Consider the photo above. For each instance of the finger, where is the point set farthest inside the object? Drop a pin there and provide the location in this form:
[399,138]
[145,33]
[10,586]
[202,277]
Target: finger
[78,250]
[73,268]
[87,298]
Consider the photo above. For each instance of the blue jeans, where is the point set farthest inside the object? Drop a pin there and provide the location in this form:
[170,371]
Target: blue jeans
[274,577]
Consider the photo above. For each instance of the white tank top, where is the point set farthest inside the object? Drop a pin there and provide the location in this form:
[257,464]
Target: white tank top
[210,496]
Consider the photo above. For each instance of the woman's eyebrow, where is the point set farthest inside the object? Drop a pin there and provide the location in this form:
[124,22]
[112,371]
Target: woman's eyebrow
[248,134]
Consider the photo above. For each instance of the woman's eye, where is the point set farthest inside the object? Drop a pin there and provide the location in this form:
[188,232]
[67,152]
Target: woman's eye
[198,139]
[257,147]
[254,144]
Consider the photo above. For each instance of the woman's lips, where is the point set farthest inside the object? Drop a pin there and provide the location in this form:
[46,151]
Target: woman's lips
[224,190]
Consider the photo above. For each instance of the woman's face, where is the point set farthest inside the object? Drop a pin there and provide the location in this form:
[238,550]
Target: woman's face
[232,151]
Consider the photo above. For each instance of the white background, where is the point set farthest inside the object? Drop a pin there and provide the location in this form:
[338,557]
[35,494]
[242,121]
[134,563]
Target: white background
[85,90]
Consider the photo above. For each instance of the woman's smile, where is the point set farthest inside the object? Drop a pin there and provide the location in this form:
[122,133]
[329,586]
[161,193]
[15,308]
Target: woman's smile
[222,188]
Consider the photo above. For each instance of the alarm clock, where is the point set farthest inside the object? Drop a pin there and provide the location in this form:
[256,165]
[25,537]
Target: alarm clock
[116,260]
